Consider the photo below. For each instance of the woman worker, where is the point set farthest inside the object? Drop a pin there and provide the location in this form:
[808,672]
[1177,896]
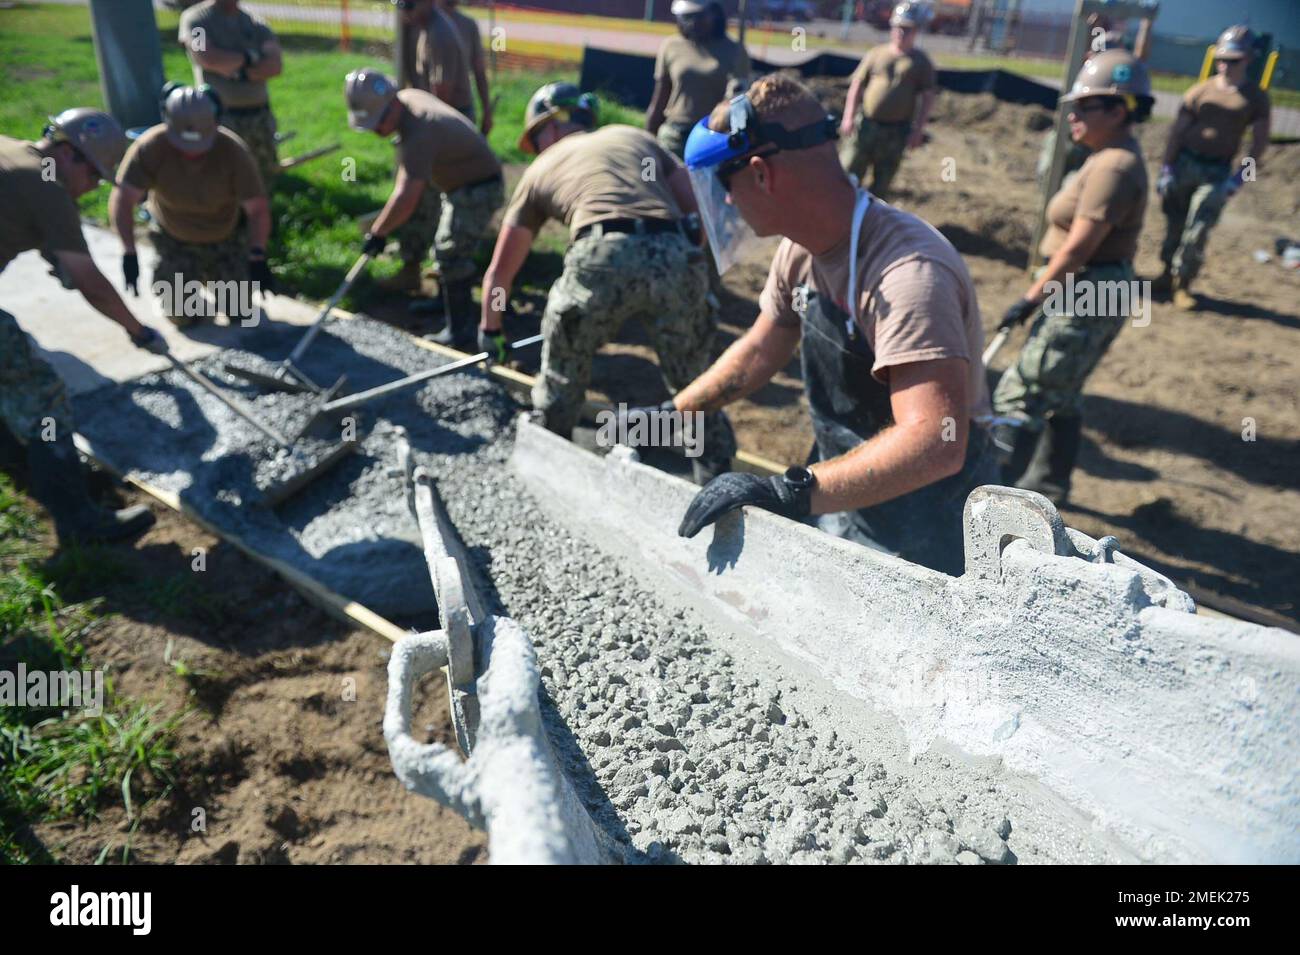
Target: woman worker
[1081,298]
[694,72]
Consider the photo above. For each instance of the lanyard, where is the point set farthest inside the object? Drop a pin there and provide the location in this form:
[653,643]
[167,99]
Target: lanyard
[859,212]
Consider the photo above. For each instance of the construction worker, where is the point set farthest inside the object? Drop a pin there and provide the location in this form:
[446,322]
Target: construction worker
[1198,178]
[235,54]
[693,70]
[1076,153]
[1081,298]
[469,34]
[210,215]
[894,86]
[438,151]
[39,185]
[625,201]
[884,314]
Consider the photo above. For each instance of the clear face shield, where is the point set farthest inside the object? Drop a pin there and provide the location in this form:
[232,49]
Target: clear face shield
[730,236]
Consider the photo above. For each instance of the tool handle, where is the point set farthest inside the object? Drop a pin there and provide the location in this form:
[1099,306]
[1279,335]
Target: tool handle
[210,388]
[305,342]
[995,346]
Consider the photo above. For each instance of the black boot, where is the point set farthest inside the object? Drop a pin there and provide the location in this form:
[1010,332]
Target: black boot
[1053,462]
[461,330]
[59,483]
[1016,444]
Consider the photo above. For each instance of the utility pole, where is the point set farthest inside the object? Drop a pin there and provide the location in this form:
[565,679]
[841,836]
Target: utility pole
[130,59]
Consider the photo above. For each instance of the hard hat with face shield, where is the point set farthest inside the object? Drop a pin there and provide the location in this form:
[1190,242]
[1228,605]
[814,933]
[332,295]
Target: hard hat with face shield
[712,158]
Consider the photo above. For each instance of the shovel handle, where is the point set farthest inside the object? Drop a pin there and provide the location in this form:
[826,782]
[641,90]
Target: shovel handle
[995,346]
[210,388]
[305,342]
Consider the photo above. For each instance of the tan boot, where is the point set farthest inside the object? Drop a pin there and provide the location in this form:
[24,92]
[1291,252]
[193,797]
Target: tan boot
[406,280]
[1183,300]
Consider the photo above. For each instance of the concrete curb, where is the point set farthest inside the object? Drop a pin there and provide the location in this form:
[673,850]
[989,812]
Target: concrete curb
[1177,734]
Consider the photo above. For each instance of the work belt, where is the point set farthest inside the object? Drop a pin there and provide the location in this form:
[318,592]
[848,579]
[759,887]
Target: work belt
[495,177]
[1105,263]
[1212,160]
[895,125]
[628,227]
[245,110]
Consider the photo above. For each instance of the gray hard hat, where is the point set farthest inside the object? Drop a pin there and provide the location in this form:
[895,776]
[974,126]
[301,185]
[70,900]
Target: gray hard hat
[190,114]
[909,13]
[549,101]
[1235,43]
[369,93]
[1112,73]
[94,134]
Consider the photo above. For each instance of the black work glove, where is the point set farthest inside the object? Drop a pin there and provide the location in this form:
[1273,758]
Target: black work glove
[260,272]
[629,418]
[150,340]
[726,492]
[494,343]
[1017,314]
[131,273]
[374,244]
[693,228]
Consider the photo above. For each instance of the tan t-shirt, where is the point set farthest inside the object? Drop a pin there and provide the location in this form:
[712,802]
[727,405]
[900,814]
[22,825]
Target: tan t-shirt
[236,32]
[893,82]
[1221,117]
[1111,186]
[193,200]
[439,145]
[699,74]
[615,172]
[38,213]
[441,59]
[916,301]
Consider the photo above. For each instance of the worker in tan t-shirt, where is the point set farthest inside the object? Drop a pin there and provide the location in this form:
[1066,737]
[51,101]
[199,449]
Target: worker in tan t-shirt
[1081,299]
[1197,177]
[895,86]
[694,70]
[40,183]
[442,61]
[624,200]
[884,314]
[236,53]
[438,151]
[473,42]
[211,217]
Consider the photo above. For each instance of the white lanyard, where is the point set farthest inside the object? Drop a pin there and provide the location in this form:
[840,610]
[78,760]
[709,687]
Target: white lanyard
[859,212]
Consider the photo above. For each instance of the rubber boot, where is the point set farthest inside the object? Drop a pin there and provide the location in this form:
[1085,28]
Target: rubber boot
[1162,283]
[461,330]
[1016,444]
[59,483]
[407,279]
[1053,462]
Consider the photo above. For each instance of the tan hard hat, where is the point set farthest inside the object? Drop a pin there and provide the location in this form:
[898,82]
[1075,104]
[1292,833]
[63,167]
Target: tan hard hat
[94,134]
[369,92]
[1112,73]
[1235,43]
[909,13]
[190,113]
[548,102]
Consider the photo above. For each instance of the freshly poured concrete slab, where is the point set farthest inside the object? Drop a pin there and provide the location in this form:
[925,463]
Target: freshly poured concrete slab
[89,350]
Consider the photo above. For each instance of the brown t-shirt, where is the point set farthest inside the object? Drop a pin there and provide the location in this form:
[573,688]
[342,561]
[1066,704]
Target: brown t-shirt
[232,32]
[893,82]
[615,172]
[470,37]
[1220,117]
[439,145]
[699,74]
[193,200]
[441,59]
[1111,186]
[916,301]
[38,212]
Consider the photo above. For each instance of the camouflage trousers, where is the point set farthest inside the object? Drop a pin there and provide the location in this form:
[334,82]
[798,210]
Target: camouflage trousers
[457,221]
[877,147]
[32,396]
[1192,208]
[659,279]
[672,137]
[224,264]
[257,129]
[1061,352]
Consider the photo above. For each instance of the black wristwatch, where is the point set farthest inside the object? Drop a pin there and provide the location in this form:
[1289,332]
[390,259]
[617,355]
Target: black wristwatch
[801,481]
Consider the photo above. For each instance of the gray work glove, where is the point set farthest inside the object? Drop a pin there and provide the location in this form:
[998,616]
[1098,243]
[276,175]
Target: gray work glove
[1165,181]
[494,343]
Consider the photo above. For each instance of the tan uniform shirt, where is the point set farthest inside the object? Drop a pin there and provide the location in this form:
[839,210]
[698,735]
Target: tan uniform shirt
[193,199]
[220,31]
[38,212]
[699,74]
[893,81]
[441,59]
[615,172]
[1221,117]
[1111,186]
[916,301]
[439,145]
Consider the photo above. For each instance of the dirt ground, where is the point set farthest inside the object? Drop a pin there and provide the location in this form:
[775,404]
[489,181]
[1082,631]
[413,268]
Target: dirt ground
[1164,465]
[282,747]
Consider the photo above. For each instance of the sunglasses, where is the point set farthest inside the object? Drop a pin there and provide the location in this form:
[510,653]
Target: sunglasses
[1089,106]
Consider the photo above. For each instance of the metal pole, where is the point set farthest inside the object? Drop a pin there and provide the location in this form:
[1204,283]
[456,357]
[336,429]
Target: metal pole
[743,6]
[649,9]
[130,59]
